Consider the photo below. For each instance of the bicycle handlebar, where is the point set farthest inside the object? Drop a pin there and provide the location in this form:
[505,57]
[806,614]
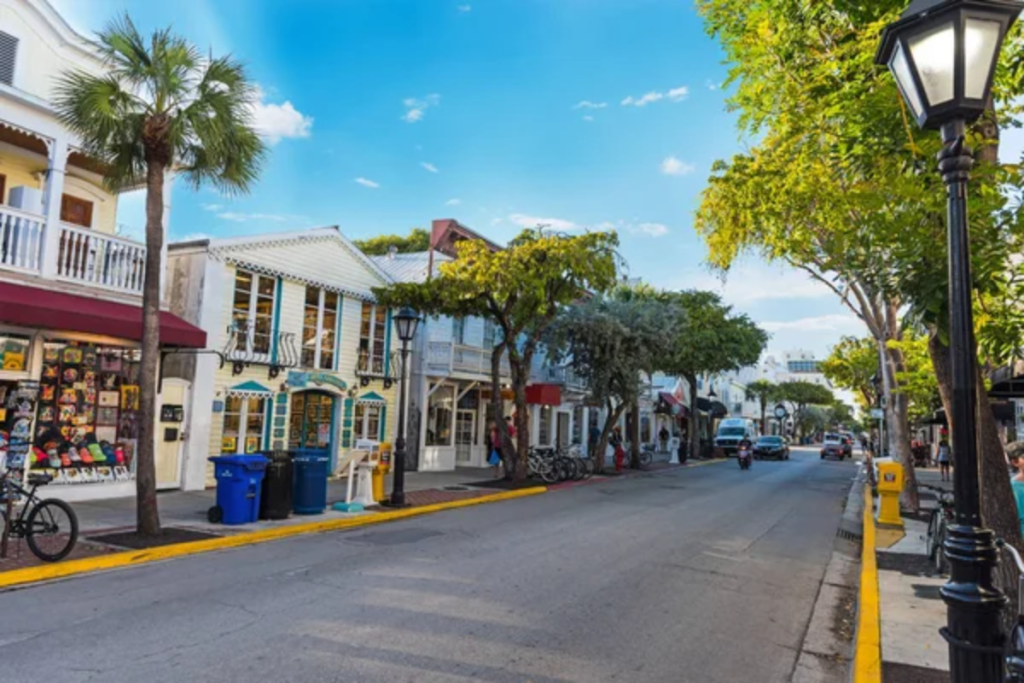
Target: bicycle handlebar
[1003,545]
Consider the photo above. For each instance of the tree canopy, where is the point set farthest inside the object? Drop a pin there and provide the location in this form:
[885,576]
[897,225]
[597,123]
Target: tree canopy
[417,240]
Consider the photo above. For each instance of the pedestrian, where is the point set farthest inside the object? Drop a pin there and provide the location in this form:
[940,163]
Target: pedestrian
[593,438]
[663,436]
[511,427]
[1018,487]
[944,456]
[615,441]
[494,449]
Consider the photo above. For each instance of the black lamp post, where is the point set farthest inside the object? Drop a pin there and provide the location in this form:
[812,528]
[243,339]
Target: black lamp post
[943,54]
[406,323]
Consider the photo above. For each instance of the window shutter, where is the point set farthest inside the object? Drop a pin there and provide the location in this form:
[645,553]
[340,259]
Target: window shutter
[8,50]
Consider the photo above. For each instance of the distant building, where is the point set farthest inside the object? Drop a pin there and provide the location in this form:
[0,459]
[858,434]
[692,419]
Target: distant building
[795,366]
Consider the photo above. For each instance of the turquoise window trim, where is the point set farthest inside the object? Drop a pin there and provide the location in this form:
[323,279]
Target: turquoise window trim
[382,437]
[337,332]
[387,344]
[268,420]
[278,293]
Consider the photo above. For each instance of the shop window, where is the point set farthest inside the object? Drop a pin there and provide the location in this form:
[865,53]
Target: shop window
[75,211]
[312,421]
[243,424]
[440,412]
[319,328]
[489,337]
[373,330]
[459,330]
[544,428]
[367,422]
[253,312]
[14,352]
[81,418]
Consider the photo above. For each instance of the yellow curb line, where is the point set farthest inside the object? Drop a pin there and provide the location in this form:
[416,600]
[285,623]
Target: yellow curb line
[867,660]
[17,577]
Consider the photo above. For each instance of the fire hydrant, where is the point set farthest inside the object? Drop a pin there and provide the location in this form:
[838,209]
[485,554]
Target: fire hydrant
[890,485]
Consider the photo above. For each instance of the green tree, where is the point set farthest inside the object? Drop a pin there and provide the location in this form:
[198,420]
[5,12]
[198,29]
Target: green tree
[764,392]
[715,340]
[853,365]
[840,415]
[801,395]
[521,288]
[162,107]
[611,343]
[417,240]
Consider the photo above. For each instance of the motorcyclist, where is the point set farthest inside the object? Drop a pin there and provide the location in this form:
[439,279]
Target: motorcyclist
[745,446]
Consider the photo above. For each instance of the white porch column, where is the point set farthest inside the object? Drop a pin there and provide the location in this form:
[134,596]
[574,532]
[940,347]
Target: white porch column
[53,190]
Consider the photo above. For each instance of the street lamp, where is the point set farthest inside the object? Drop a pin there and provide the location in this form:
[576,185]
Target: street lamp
[943,55]
[406,323]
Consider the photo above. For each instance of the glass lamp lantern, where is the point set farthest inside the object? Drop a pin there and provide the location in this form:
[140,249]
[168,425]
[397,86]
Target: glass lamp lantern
[406,323]
[943,55]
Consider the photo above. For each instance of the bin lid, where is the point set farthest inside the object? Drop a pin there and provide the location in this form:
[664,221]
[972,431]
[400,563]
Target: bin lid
[249,462]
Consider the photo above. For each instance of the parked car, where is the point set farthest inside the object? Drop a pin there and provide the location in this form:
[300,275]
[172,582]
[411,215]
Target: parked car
[771,447]
[836,446]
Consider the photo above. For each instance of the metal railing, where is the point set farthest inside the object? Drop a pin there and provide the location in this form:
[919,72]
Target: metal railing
[21,239]
[100,259]
[444,358]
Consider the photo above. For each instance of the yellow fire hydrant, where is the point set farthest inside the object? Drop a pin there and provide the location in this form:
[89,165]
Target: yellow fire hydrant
[890,485]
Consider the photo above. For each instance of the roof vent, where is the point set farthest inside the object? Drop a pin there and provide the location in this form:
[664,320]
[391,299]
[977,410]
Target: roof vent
[8,51]
[392,251]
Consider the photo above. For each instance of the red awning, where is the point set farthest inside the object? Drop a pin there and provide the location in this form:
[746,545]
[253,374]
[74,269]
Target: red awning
[668,402]
[544,394]
[34,307]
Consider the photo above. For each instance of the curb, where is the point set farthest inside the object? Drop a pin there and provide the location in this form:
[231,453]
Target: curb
[867,661]
[50,572]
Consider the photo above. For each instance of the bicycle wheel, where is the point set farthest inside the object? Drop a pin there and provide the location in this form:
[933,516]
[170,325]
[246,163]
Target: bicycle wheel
[51,530]
[931,539]
[941,564]
[646,458]
[549,473]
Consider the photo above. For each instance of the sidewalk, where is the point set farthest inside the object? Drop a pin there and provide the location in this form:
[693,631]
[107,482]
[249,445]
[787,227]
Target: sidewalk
[911,609]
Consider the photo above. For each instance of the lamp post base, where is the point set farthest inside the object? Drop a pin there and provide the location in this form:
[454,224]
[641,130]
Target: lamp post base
[974,632]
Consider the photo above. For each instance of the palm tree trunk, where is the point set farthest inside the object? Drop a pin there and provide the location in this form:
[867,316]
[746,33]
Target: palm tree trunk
[147,516]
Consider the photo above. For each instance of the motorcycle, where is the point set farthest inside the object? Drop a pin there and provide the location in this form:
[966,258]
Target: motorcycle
[743,456]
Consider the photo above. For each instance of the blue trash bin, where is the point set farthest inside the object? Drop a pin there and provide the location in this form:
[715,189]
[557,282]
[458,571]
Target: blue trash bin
[309,495]
[239,481]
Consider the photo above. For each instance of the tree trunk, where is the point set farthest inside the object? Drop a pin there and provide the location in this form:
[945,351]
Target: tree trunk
[507,446]
[998,505]
[899,427]
[634,435]
[611,419]
[147,515]
[764,410]
[694,419]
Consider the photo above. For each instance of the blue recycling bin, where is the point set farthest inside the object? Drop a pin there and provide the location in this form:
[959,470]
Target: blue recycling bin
[309,495]
[239,481]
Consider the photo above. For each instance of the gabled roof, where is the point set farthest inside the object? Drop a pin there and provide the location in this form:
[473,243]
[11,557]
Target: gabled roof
[445,233]
[413,267]
[322,257]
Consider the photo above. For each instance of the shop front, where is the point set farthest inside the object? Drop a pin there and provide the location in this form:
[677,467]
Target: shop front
[70,390]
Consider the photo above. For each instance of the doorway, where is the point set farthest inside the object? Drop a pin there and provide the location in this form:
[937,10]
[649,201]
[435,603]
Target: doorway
[171,434]
[465,431]
[311,425]
[563,430]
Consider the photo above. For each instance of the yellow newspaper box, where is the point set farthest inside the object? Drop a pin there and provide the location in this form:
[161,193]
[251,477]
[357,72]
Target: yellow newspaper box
[378,484]
[384,457]
[890,486]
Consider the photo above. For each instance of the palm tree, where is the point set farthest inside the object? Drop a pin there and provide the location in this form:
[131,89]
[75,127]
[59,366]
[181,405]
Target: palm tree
[764,392]
[161,107]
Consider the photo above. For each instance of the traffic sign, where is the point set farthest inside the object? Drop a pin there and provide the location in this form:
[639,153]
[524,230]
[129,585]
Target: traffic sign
[877,413]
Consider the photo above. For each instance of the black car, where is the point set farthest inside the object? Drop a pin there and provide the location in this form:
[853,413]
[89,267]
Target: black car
[771,447]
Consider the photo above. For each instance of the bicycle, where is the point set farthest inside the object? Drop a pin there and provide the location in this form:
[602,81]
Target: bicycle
[941,517]
[49,526]
[1015,644]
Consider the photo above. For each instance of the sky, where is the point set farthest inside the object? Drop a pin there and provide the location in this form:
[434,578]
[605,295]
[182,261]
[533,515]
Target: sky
[382,115]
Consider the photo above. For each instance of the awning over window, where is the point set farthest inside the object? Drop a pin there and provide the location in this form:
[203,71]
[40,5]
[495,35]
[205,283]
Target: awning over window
[668,404]
[713,408]
[371,399]
[250,390]
[544,394]
[35,307]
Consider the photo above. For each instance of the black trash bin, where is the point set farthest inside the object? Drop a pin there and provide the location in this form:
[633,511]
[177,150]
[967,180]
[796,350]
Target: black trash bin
[276,498]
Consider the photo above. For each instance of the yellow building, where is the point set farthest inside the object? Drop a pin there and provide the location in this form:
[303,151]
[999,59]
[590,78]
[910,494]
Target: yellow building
[307,353]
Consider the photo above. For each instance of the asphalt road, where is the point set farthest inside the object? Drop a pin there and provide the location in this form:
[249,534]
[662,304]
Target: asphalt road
[704,574]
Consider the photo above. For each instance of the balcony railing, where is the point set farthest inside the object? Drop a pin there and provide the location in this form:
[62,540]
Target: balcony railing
[82,255]
[99,259]
[564,376]
[445,358]
[21,239]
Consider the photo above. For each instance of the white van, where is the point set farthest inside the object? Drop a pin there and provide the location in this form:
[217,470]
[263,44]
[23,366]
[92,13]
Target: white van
[732,430]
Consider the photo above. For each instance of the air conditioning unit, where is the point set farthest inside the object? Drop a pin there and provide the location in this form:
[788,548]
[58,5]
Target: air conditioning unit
[27,199]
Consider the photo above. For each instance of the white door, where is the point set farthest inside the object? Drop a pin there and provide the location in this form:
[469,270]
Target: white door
[171,433]
[563,430]
[465,428]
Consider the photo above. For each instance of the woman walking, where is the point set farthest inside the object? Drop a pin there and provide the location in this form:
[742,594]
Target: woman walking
[944,456]
[494,456]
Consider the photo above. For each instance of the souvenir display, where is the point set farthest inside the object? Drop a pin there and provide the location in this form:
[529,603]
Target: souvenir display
[14,352]
[87,420]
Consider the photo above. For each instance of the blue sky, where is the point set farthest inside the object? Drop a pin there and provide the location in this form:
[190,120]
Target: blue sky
[386,114]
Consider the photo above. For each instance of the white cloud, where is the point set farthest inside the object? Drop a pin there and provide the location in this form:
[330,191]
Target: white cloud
[212,207]
[674,95]
[835,322]
[588,118]
[238,217]
[367,183]
[429,167]
[711,85]
[652,229]
[415,107]
[750,284]
[453,202]
[527,221]
[194,237]
[464,8]
[587,104]
[672,166]
[278,121]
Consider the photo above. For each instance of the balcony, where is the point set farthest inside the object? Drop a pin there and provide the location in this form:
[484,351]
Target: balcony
[83,256]
[445,358]
[563,376]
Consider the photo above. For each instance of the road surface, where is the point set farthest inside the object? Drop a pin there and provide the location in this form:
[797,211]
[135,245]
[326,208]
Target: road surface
[704,574]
